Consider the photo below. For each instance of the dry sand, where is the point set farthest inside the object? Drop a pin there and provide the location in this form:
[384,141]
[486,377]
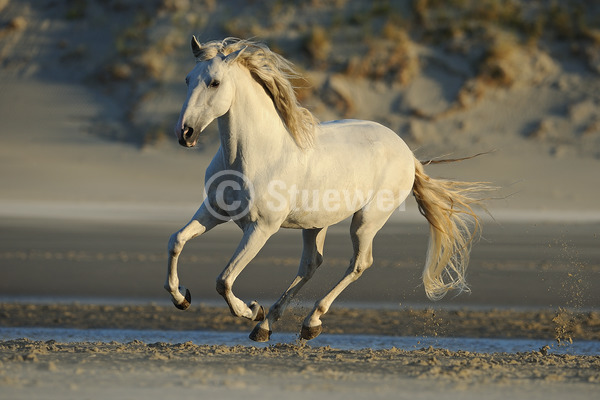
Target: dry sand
[116,370]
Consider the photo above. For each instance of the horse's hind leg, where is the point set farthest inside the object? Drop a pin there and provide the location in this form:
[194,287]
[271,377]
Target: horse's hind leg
[312,257]
[365,224]
[202,222]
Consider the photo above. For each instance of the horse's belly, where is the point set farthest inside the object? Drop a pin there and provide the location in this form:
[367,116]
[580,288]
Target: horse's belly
[310,219]
[328,205]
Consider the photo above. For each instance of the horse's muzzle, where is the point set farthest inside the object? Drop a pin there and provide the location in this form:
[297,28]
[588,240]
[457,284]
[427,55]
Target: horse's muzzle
[188,137]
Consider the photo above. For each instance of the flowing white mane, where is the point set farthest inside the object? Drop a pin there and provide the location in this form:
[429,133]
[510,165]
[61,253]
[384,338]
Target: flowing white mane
[273,72]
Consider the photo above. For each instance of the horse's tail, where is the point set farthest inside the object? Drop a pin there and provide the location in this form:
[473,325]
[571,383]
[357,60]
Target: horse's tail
[453,226]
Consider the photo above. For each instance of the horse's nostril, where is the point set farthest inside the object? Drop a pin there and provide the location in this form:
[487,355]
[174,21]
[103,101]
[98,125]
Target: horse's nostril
[187,132]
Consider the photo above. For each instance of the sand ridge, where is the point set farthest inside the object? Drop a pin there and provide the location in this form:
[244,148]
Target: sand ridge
[297,368]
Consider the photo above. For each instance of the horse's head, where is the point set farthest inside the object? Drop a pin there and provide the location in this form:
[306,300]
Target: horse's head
[209,94]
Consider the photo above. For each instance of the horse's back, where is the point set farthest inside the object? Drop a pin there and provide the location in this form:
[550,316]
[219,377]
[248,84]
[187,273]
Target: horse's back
[366,142]
[352,133]
[363,154]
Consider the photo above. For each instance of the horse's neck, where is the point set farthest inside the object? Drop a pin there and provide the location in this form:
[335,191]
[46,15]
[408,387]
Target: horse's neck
[252,133]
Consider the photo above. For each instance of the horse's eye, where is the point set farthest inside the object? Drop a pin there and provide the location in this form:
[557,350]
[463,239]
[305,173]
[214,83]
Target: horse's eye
[215,83]
[187,81]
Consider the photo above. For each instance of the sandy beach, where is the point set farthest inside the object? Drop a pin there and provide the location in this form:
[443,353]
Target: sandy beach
[92,184]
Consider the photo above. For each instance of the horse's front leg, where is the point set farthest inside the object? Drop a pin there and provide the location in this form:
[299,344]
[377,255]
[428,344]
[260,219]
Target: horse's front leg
[253,240]
[202,222]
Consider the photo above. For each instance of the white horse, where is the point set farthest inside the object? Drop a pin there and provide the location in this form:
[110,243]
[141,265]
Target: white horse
[277,167]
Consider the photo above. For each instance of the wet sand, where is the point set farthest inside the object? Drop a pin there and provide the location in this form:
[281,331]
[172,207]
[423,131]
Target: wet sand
[560,325]
[517,265]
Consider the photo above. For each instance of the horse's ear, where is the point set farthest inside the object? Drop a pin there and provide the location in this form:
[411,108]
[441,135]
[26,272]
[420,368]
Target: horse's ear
[230,58]
[196,47]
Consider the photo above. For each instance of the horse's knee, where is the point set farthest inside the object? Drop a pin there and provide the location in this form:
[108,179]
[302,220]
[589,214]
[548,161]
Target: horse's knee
[222,287]
[174,247]
[176,243]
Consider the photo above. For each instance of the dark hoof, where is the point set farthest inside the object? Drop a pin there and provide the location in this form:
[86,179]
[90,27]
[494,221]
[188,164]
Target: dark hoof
[260,313]
[186,303]
[259,334]
[310,332]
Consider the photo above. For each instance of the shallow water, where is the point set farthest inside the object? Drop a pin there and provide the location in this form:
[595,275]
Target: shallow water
[343,342]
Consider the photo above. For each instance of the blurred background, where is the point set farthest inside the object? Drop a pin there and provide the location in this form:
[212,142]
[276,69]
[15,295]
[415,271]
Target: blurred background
[90,89]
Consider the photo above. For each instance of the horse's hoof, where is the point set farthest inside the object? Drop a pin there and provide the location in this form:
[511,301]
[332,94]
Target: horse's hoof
[185,304]
[260,313]
[259,334]
[310,332]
